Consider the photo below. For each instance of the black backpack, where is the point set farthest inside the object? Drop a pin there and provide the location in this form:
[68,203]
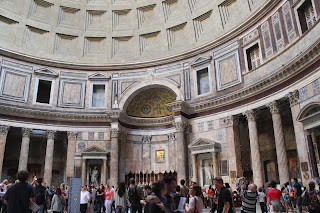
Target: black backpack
[40,194]
[133,195]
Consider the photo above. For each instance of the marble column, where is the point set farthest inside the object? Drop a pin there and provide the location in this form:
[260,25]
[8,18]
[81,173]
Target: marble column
[282,159]
[104,172]
[172,151]
[254,147]
[313,162]
[114,160]
[215,164]
[72,136]
[233,140]
[122,156]
[195,168]
[181,150]
[3,139]
[300,136]
[24,152]
[83,171]
[49,157]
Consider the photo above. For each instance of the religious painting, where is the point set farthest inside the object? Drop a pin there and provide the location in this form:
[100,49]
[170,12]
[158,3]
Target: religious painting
[224,167]
[160,156]
[304,166]
[233,174]
[293,166]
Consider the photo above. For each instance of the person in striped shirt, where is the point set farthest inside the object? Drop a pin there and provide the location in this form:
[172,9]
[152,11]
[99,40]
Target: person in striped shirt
[248,196]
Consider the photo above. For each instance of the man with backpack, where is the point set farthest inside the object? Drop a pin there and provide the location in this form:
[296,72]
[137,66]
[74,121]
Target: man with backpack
[40,195]
[135,194]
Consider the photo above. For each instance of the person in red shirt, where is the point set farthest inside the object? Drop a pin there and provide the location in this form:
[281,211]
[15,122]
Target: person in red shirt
[211,194]
[275,198]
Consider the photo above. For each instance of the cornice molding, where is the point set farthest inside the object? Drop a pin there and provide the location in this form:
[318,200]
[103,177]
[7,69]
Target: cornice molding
[247,24]
[298,65]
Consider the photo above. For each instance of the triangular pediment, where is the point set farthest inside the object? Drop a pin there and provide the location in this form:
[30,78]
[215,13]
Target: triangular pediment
[98,76]
[94,149]
[202,142]
[46,72]
[201,60]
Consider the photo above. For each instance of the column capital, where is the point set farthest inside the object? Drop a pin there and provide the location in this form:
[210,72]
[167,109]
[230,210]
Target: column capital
[72,135]
[171,136]
[146,138]
[273,107]
[4,130]
[51,134]
[115,132]
[251,115]
[231,120]
[293,97]
[26,132]
[180,126]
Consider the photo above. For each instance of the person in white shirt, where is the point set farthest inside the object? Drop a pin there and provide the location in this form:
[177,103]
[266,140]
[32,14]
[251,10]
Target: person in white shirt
[84,199]
[262,199]
[195,202]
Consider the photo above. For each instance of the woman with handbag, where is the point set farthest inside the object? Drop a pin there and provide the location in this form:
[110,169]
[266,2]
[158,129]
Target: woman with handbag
[286,198]
[120,198]
[195,203]
[58,201]
[313,198]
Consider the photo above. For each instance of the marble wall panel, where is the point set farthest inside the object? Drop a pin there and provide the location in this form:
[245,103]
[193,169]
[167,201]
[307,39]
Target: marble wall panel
[288,21]
[72,93]
[276,24]
[265,30]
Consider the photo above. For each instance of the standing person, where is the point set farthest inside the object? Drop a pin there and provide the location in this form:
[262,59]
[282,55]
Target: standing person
[170,183]
[248,197]
[112,201]
[297,193]
[262,200]
[65,195]
[275,198]
[183,188]
[156,203]
[84,199]
[211,198]
[176,197]
[99,199]
[195,202]
[108,194]
[313,198]
[58,201]
[120,198]
[40,195]
[224,196]
[286,197]
[19,195]
[135,194]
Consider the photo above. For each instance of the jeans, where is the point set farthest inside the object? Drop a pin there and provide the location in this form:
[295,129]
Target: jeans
[122,210]
[83,208]
[107,204]
[113,206]
[63,205]
[98,206]
[41,210]
[136,207]
[263,207]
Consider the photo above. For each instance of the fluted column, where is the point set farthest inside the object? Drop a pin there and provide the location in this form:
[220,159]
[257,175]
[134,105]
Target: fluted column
[194,168]
[181,150]
[233,140]
[300,137]
[114,163]
[3,139]
[254,147]
[72,136]
[215,164]
[172,151]
[49,157]
[281,150]
[24,152]
[104,174]
[83,171]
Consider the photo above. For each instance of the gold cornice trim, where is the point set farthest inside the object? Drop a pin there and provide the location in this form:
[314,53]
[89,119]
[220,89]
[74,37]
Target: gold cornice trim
[262,11]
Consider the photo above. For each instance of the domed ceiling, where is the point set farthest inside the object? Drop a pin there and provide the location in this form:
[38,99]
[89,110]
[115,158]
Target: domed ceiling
[151,103]
[116,31]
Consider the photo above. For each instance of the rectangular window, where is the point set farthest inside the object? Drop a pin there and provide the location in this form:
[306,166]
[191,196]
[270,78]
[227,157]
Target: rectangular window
[307,16]
[98,95]
[253,57]
[203,81]
[44,91]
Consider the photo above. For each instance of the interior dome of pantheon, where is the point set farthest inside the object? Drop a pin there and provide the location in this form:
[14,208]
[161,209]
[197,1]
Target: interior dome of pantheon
[147,88]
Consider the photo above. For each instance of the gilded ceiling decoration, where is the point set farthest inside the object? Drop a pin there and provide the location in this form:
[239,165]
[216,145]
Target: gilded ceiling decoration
[151,103]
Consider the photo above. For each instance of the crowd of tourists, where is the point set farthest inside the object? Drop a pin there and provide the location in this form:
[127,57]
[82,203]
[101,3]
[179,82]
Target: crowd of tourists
[163,196]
